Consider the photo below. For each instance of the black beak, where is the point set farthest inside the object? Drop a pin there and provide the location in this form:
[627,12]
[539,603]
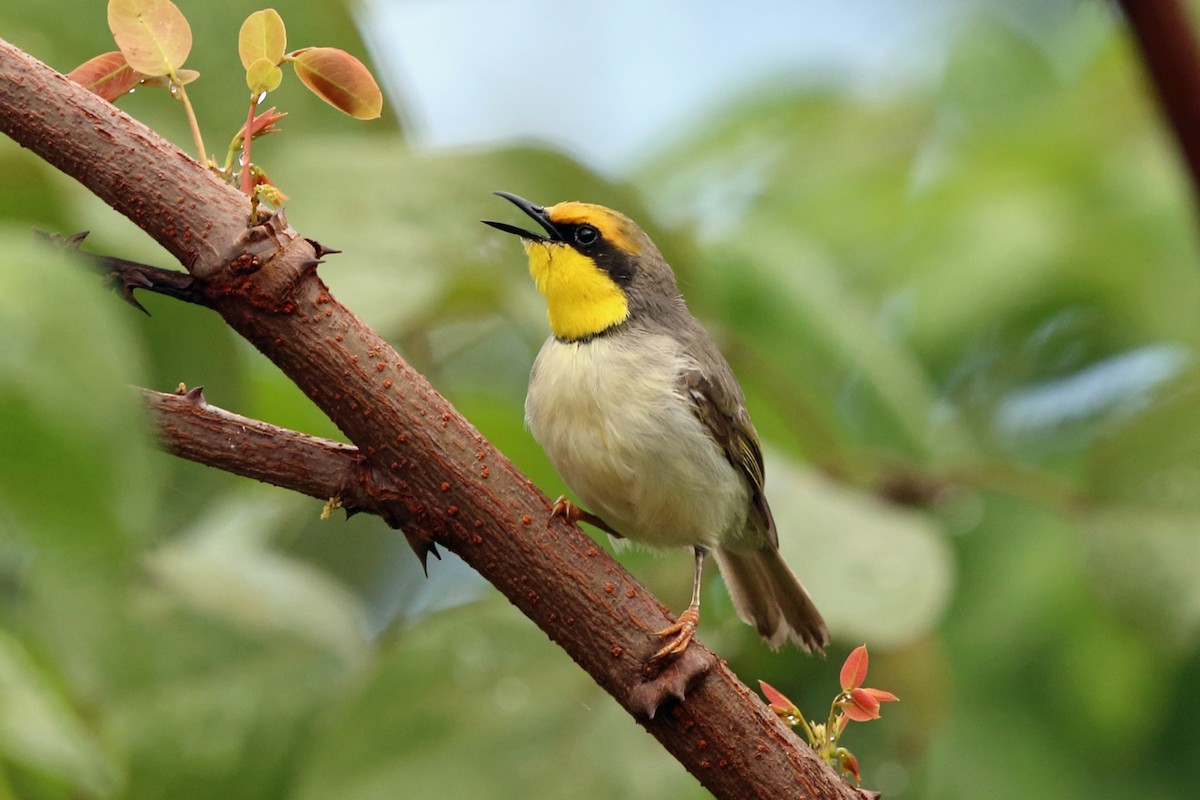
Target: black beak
[537,212]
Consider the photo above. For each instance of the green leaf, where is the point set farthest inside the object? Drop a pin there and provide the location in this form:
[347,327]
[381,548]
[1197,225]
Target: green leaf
[263,76]
[1143,521]
[76,470]
[40,732]
[879,573]
[207,664]
[339,79]
[483,681]
[262,36]
[153,34]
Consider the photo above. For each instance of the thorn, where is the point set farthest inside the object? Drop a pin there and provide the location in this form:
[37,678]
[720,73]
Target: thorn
[70,242]
[427,547]
[135,280]
[195,395]
[321,249]
[75,239]
[672,682]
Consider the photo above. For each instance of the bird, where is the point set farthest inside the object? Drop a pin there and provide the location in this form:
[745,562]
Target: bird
[644,420]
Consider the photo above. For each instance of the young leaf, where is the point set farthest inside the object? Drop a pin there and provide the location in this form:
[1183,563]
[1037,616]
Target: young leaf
[862,706]
[263,124]
[108,75]
[263,76]
[184,76]
[153,34]
[778,701]
[339,79]
[854,671]
[262,36]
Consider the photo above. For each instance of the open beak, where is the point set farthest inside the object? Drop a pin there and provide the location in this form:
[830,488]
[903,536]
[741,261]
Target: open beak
[537,212]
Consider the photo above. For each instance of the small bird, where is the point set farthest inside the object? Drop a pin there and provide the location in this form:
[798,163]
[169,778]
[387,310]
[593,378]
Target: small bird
[643,418]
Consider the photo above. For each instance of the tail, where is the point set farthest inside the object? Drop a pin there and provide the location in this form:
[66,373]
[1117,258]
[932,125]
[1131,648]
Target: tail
[768,596]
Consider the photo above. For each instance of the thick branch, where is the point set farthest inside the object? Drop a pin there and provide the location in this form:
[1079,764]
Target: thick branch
[189,427]
[1168,47]
[448,484]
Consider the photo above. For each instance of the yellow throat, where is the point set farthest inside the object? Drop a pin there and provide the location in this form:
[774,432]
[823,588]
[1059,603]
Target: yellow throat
[581,299]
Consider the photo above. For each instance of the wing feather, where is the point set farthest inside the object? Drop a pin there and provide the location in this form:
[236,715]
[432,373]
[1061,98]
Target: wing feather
[724,415]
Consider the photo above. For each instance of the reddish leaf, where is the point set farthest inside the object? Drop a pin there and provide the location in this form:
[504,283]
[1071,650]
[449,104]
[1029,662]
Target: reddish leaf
[778,701]
[153,34]
[339,79]
[854,671]
[849,765]
[263,124]
[264,188]
[262,36]
[108,75]
[861,706]
[881,695]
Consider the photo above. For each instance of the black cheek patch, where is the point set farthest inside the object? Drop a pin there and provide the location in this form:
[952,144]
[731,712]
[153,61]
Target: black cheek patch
[619,266]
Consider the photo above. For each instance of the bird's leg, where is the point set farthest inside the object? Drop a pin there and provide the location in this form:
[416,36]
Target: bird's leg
[683,628]
[572,513]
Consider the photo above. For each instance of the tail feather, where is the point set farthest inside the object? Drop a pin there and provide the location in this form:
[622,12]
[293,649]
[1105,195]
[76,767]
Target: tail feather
[768,596]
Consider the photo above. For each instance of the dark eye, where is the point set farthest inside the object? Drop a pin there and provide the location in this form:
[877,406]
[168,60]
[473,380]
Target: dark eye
[586,234]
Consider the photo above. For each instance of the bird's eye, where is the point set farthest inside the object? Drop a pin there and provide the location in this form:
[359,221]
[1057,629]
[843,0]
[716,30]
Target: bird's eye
[586,234]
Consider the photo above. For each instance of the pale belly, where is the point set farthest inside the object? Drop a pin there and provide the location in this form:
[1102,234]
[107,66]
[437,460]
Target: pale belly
[629,445]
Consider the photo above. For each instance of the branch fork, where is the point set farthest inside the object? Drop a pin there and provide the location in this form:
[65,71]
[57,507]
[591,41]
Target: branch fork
[415,461]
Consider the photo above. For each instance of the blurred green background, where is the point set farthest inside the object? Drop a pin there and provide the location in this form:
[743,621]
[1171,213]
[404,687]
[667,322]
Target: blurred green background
[964,311]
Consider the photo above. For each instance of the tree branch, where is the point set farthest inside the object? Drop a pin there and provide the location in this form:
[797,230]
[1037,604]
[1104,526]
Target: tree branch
[1164,37]
[446,483]
[126,276]
[187,426]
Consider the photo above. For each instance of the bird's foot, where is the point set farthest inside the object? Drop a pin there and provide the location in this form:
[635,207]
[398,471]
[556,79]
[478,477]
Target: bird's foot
[679,635]
[572,513]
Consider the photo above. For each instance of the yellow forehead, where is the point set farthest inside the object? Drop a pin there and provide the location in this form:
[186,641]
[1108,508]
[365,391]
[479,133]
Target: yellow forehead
[614,226]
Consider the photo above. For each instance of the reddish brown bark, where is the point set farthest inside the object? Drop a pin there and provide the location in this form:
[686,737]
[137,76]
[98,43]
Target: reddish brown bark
[430,471]
[1167,45]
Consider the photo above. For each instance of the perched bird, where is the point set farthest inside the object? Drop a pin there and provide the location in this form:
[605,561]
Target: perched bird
[643,418]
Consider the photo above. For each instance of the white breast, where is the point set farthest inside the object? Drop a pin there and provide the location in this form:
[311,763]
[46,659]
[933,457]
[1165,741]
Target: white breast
[628,444]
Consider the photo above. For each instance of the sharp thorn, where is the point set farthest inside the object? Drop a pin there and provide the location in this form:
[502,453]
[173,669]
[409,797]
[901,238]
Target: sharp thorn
[423,546]
[321,249]
[127,294]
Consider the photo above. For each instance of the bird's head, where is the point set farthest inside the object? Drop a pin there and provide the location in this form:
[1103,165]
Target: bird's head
[595,266]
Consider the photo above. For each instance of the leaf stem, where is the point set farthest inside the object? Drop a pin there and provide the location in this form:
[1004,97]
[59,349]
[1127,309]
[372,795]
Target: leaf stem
[808,731]
[193,124]
[247,178]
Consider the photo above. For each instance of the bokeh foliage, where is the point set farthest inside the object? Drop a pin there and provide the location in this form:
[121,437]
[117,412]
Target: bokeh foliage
[964,316]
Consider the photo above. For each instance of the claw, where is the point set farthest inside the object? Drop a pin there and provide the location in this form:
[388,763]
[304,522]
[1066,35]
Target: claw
[566,509]
[680,632]
[572,513]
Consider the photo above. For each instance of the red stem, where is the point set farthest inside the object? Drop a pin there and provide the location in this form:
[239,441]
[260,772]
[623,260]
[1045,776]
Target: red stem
[247,180]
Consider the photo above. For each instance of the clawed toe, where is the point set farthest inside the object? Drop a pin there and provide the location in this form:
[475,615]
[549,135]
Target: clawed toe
[572,513]
[679,635]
